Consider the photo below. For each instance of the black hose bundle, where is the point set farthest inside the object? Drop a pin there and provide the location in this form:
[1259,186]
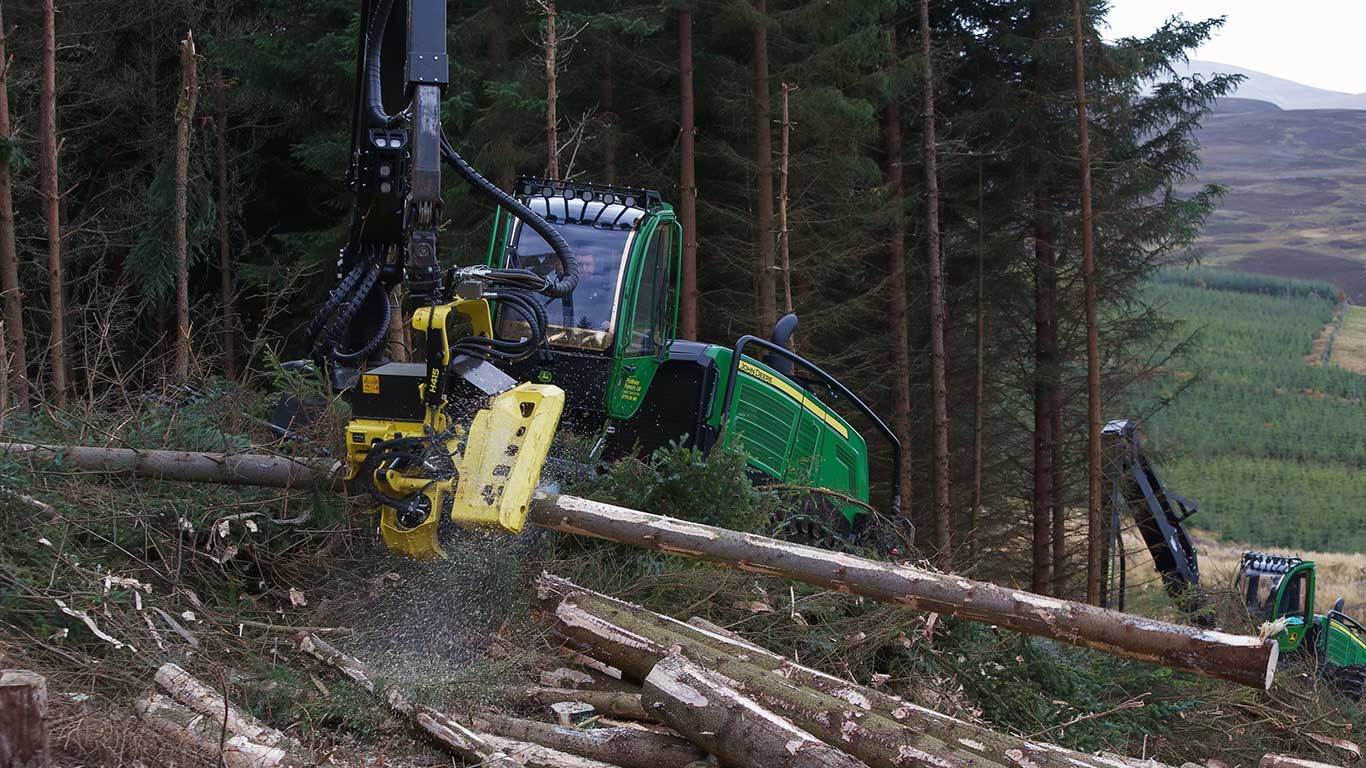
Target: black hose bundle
[428,454]
[374,99]
[328,330]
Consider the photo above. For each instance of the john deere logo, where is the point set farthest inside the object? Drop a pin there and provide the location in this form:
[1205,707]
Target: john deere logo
[543,376]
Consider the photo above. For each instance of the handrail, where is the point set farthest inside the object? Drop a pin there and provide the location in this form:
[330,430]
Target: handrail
[827,379]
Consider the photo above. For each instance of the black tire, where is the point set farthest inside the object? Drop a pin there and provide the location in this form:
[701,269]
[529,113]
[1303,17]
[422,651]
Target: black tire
[1350,681]
[815,522]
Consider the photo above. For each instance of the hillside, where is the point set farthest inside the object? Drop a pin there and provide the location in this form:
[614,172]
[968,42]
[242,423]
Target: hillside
[1296,193]
[1270,445]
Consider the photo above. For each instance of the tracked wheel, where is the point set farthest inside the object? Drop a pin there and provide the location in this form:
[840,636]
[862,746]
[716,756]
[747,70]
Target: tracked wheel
[1350,681]
[813,522]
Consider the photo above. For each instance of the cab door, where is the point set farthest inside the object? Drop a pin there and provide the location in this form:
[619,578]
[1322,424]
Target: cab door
[647,313]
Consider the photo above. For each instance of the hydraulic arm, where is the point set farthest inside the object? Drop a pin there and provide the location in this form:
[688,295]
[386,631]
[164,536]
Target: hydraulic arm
[452,437]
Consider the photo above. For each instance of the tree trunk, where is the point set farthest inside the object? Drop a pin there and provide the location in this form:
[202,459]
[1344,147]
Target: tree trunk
[943,511]
[47,135]
[608,118]
[1286,761]
[184,116]
[23,719]
[188,466]
[1045,360]
[784,235]
[706,708]
[765,285]
[979,385]
[552,127]
[505,172]
[220,110]
[9,258]
[897,316]
[1240,659]
[628,747]
[1060,570]
[687,175]
[618,704]
[1094,525]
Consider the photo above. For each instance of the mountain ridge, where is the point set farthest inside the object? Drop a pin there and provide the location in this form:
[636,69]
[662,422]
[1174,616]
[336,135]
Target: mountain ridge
[1284,93]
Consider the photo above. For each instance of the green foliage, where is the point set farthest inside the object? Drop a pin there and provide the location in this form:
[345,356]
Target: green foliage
[1270,445]
[12,155]
[151,260]
[681,482]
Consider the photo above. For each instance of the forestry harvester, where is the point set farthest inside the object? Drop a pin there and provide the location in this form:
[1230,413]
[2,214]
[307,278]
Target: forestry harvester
[1280,590]
[573,314]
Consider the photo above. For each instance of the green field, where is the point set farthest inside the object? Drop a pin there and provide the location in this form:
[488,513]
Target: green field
[1272,447]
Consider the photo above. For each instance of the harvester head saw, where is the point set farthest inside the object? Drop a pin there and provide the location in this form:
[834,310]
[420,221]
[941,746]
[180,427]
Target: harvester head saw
[451,440]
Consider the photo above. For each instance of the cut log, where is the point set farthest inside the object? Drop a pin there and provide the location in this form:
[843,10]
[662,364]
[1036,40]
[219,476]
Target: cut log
[879,728]
[626,747]
[190,692]
[706,708]
[474,747]
[205,736]
[1237,658]
[529,755]
[23,719]
[188,466]
[1286,761]
[620,704]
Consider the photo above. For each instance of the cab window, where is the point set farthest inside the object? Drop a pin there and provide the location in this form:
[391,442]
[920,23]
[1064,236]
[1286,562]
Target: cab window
[1260,588]
[648,324]
[1293,598]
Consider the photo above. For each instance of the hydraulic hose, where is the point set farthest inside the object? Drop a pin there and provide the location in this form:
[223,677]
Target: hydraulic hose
[559,286]
[374,98]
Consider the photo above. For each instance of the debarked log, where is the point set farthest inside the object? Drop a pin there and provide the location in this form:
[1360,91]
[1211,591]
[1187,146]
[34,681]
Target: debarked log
[705,707]
[624,746]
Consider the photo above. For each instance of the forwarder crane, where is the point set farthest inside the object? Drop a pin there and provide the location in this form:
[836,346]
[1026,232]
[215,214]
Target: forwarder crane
[573,313]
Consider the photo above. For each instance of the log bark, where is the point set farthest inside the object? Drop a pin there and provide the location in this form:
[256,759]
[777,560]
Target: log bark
[687,175]
[1286,761]
[1241,659]
[529,755]
[880,729]
[194,694]
[898,322]
[627,747]
[52,195]
[9,257]
[765,285]
[1237,658]
[705,707]
[23,719]
[205,736]
[618,704]
[187,466]
[184,117]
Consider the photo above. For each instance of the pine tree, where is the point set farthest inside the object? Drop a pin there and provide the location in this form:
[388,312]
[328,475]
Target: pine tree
[184,116]
[687,174]
[47,134]
[16,361]
[765,285]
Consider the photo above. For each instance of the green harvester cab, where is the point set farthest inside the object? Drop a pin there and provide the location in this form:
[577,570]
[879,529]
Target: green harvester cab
[615,351]
[1280,589]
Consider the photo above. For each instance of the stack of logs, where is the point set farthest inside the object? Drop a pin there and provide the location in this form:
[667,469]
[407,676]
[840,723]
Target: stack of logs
[690,694]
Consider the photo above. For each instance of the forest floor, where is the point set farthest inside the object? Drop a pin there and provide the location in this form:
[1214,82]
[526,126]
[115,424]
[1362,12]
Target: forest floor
[218,579]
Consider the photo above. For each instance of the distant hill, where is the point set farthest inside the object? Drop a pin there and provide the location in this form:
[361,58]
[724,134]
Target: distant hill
[1233,105]
[1286,94]
[1296,192]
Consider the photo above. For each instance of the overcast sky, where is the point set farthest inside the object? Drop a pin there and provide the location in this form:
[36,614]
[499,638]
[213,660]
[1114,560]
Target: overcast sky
[1316,42]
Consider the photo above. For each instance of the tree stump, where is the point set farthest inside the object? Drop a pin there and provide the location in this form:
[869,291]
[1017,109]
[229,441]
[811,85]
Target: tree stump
[23,719]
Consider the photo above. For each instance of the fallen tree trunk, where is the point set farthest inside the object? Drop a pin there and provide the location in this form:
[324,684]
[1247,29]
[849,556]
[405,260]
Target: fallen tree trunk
[1241,659]
[706,708]
[618,704]
[881,729]
[1286,761]
[187,466]
[528,755]
[1236,658]
[205,736]
[208,702]
[625,747]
